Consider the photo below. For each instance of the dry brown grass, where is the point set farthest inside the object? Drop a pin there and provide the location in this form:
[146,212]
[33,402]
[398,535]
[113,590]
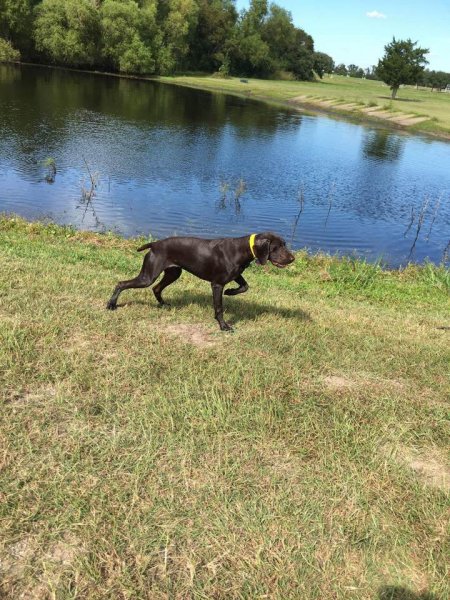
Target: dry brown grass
[143,454]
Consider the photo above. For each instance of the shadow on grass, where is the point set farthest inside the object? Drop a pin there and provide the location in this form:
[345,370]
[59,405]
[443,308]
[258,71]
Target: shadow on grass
[400,99]
[394,592]
[236,309]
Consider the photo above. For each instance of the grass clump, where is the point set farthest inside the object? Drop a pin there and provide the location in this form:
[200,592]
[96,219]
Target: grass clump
[144,454]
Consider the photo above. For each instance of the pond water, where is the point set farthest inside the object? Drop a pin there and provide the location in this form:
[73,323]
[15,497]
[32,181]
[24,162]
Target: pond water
[167,161]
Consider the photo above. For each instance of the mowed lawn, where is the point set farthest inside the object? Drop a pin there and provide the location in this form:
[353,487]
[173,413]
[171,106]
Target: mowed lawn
[344,90]
[145,455]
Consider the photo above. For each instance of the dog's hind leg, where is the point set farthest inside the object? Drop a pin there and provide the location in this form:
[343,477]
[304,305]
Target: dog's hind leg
[171,274]
[151,269]
[243,287]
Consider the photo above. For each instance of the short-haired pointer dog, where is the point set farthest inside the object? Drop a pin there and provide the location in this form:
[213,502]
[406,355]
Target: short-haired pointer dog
[217,261]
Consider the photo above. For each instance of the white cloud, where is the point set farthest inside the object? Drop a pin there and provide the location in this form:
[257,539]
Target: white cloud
[374,14]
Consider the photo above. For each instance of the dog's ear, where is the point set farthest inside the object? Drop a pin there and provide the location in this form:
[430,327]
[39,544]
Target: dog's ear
[262,249]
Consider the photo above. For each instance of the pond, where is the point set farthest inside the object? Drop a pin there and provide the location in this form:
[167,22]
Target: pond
[143,157]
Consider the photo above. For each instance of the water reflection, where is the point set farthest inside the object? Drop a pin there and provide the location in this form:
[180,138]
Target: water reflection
[383,144]
[173,160]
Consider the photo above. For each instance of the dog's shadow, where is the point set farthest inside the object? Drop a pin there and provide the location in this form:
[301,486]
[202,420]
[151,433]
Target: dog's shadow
[236,309]
[393,592]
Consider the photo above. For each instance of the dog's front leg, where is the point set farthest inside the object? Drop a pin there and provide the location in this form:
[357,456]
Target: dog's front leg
[243,287]
[217,291]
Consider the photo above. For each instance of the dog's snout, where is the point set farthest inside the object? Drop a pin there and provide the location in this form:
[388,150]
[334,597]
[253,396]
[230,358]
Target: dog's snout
[290,257]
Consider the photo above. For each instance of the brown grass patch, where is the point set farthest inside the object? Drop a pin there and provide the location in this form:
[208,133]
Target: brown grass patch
[23,397]
[360,380]
[30,572]
[337,382]
[194,334]
[429,466]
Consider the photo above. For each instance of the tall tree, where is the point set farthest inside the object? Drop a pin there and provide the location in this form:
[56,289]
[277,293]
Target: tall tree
[15,24]
[248,52]
[177,20]
[402,63]
[67,31]
[128,32]
[216,19]
[323,63]
[279,32]
[301,56]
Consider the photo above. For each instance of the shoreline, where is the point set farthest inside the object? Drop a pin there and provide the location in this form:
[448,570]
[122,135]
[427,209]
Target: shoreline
[358,113]
[112,239]
[318,108]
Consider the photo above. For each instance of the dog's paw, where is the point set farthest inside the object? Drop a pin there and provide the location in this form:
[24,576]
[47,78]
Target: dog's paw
[165,305]
[111,305]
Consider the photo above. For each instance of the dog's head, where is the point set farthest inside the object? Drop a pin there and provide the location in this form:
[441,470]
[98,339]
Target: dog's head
[269,246]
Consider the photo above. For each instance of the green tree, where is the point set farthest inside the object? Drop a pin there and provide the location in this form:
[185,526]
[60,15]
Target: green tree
[291,49]
[15,24]
[355,71]
[216,19]
[67,31]
[301,56]
[402,63]
[248,52]
[14,15]
[436,79]
[323,63]
[370,73]
[128,33]
[278,32]
[177,21]
[341,69]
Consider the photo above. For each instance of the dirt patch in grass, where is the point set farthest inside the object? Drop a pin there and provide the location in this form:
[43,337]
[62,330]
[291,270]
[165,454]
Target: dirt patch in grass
[30,572]
[194,334]
[429,466]
[23,397]
[337,382]
[358,380]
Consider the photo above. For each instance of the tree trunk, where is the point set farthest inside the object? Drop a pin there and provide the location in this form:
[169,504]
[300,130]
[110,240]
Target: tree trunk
[394,92]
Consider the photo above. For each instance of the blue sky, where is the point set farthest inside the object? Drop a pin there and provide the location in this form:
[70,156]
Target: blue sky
[356,31]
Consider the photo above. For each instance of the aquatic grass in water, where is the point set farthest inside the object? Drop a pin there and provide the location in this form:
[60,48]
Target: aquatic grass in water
[50,168]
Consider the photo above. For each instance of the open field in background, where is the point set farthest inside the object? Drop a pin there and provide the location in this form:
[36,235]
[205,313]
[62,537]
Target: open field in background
[145,454]
[343,95]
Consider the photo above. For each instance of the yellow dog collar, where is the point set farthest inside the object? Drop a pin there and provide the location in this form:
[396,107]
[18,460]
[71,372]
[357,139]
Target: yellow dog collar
[252,244]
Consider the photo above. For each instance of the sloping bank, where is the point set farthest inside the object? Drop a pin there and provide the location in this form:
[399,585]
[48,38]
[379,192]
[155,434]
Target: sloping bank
[358,100]
[145,454]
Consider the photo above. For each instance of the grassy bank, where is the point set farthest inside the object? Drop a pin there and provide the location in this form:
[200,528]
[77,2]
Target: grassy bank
[347,96]
[144,454]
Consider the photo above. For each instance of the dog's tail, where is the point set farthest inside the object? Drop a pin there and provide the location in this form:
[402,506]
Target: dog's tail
[145,246]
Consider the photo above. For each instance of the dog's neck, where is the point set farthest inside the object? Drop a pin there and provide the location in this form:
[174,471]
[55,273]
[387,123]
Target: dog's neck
[252,244]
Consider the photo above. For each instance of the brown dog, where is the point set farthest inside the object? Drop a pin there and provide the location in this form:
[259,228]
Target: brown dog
[217,261]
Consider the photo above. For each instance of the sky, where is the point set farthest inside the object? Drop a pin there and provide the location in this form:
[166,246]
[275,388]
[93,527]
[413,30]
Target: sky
[356,31]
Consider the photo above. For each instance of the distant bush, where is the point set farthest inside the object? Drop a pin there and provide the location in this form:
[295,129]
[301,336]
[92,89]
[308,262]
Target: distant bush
[7,52]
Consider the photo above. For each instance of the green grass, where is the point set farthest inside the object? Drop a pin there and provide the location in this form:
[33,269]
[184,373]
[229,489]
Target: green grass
[421,102]
[145,454]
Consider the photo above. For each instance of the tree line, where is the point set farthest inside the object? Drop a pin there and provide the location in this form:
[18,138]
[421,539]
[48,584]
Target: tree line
[160,37]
